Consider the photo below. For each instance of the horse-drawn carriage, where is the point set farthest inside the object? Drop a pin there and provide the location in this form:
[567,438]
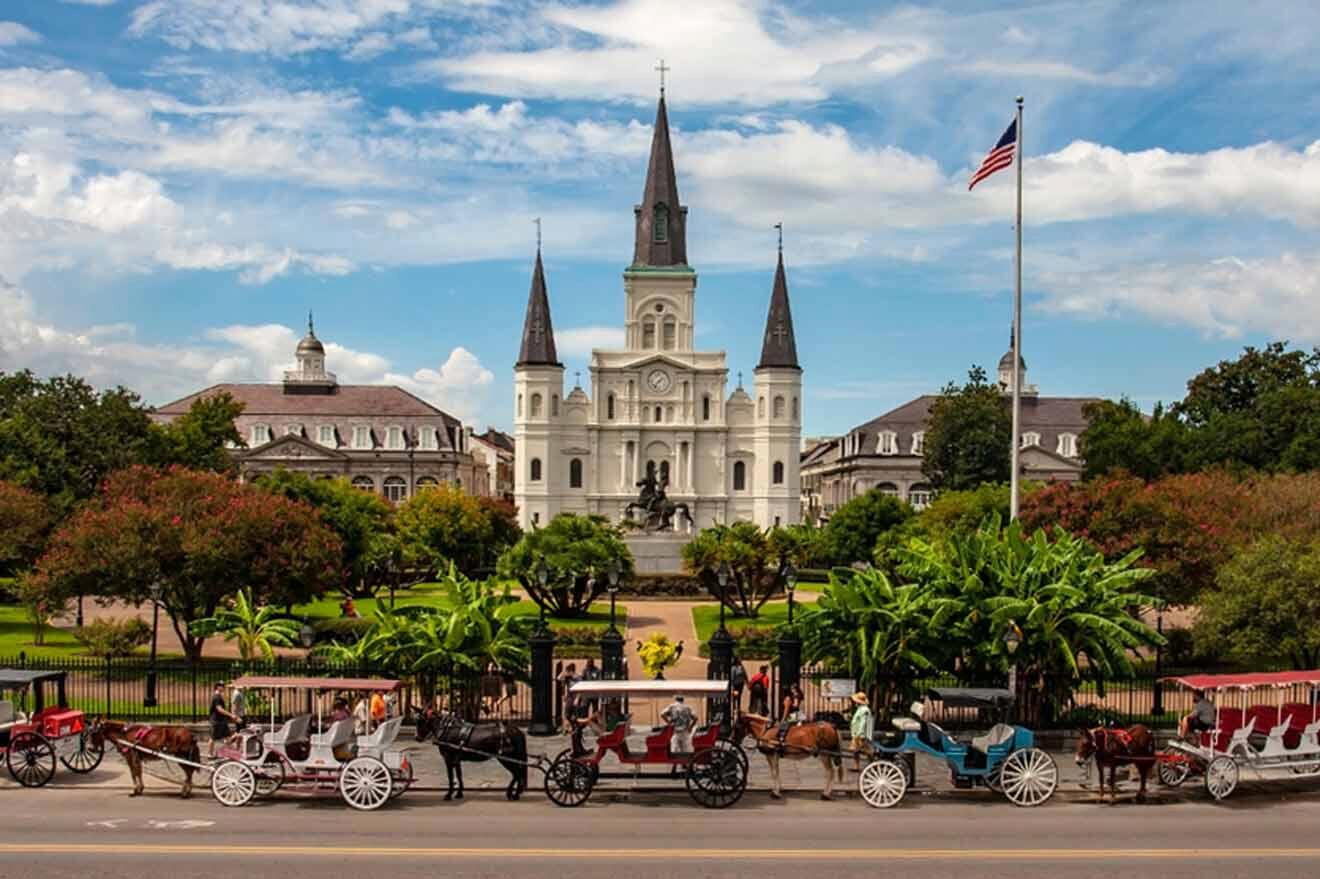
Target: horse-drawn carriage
[365,769]
[714,771]
[1273,731]
[1005,759]
[32,742]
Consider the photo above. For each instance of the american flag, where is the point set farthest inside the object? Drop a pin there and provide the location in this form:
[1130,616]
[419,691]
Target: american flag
[999,158]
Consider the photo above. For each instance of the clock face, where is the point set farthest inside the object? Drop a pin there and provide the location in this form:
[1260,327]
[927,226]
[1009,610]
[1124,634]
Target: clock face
[658,380]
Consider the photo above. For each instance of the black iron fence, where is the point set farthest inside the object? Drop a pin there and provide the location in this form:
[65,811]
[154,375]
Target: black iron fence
[118,687]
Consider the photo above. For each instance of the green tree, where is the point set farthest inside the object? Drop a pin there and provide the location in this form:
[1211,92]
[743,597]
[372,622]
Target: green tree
[578,552]
[199,536]
[257,629]
[950,511]
[882,633]
[968,436]
[1265,605]
[803,545]
[198,438]
[25,522]
[446,524]
[1120,438]
[754,564]
[362,520]
[61,437]
[851,533]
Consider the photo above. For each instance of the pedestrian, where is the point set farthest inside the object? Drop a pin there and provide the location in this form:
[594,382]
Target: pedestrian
[862,727]
[737,681]
[590,672]
[220,717]
[570,701]
[340,710]
[377,708]
[759,692]
[361,716]
[680,717]
[790,711]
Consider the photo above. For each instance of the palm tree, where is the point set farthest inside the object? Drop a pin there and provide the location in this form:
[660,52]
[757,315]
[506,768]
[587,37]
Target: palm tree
[257,629]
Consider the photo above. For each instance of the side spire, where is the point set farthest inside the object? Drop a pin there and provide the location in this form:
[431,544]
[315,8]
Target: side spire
[779,348]
[661,221]
[538,336]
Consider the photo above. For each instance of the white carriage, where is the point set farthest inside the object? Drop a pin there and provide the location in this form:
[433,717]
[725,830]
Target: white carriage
[1266,723]
[364,769]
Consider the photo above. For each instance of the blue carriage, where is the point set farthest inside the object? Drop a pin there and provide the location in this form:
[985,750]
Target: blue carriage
[1005,759]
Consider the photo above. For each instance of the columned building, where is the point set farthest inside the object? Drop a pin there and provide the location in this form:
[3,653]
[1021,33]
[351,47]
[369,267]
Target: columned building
[886,452]
[658,405]
[380,437]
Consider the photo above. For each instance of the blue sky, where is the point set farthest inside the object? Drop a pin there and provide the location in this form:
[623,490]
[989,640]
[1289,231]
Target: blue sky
[181,180]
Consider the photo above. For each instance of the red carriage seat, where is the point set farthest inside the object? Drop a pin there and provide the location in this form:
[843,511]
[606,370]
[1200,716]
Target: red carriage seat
[706,738]
[1299,715]
[657,745]
[1230,720]
[1266,717]
[615,738]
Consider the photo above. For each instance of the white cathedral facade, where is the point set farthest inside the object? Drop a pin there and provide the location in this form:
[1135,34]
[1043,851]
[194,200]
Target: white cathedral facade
[658,405]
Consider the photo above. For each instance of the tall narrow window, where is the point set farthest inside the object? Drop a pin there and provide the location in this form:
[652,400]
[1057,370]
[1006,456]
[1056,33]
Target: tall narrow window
[778,473]
[660,226]
[664,471]
[325,435]
[361,437]
[520,405]
[795,409]
[739,476]
[396,489]
[670,334]
[536,470]
[657,414]
[260,434]
[705,408]
[648,333]
[536,405]
[575,473]
[760,408]
[609,408]
[394,438]
[554,404]
[779,407]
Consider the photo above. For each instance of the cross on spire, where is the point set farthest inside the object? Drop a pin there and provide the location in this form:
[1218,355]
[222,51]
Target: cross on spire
[780,332]
[780,228]
[663,70]
[537,221]
[538,328]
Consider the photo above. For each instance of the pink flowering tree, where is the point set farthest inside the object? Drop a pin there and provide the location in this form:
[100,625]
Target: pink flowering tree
[201,536]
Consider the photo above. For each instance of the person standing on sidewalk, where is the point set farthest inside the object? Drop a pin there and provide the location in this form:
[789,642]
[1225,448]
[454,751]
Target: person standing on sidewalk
[737,681]
[219,716]
[862,729]
[759,692]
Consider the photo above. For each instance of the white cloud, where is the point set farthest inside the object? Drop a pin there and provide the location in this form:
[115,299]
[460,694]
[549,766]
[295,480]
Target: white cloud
[1038,70]
[460,386]
[1278,295]
[257,263]
[12,33]
[579,341]
[90,2]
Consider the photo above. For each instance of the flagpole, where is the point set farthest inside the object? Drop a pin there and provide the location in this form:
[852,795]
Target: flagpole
[1014,454]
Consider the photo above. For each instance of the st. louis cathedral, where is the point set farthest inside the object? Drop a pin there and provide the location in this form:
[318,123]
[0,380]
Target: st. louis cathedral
[660,414]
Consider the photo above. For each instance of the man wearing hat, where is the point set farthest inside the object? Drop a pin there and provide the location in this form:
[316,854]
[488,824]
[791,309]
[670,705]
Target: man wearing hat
[862,727]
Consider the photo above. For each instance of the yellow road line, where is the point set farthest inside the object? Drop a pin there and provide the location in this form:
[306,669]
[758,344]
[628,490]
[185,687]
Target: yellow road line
[876,854]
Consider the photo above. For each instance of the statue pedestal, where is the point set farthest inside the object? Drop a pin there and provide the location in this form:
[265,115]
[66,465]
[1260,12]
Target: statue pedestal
[659,552]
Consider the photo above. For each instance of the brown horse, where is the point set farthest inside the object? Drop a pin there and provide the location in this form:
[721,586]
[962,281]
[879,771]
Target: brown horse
[173,741]
[802,740]
[1111,748]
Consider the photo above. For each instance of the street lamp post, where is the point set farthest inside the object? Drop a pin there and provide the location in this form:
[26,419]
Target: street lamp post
[790,645]
[789,574]
[611,642]
[721,643]
[149,699]
[1012,640]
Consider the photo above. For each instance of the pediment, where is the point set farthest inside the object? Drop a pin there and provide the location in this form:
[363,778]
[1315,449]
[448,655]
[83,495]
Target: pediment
[293,448]
[652,358]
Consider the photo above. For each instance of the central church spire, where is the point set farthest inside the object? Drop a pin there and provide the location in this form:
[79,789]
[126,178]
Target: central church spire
[661,220]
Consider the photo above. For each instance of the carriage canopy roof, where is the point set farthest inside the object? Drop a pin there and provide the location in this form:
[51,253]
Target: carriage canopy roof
[691,687]
[260,682]
[972,697]
[15,678]
[1249,681]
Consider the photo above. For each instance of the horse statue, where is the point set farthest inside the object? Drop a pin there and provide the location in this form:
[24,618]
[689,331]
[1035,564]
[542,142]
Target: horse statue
[800,742]
[460,742]
[658,511]
[171,741]
[1111,748]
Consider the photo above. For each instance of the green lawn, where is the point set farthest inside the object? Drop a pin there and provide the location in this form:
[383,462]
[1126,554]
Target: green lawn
[16,636]
[706,618]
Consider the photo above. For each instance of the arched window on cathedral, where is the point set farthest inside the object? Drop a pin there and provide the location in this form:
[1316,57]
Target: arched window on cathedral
[536,405]
[777,476]
[554,404]
[670,334]
[520,405]
[779,407]
[658,414]
[795,409]
[664,471]
[705,407]
[536,470]
[760,408]
[575,473]
[660,225]
[648,332]
[739,476]
[609,407]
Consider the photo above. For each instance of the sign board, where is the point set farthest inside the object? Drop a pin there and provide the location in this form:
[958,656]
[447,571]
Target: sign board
[838,688]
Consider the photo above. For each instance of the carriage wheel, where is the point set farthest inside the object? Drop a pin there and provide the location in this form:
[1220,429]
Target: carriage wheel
[87,757]
[270,778]
[882,784]
[568,782]
[567,754]
[403,778]
[1221,776]
[1029,777]
[31,759]
[716,776]
[233,784]
[993,780]
[365,783]
[1172,768]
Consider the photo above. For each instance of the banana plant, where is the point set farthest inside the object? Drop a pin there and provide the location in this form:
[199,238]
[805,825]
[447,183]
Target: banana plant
[257,629]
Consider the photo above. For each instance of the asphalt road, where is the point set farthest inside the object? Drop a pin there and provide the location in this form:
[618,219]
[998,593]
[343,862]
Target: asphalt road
[106,834]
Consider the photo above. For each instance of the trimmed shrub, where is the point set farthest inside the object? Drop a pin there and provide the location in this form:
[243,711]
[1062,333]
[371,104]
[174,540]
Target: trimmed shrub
[113,639]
